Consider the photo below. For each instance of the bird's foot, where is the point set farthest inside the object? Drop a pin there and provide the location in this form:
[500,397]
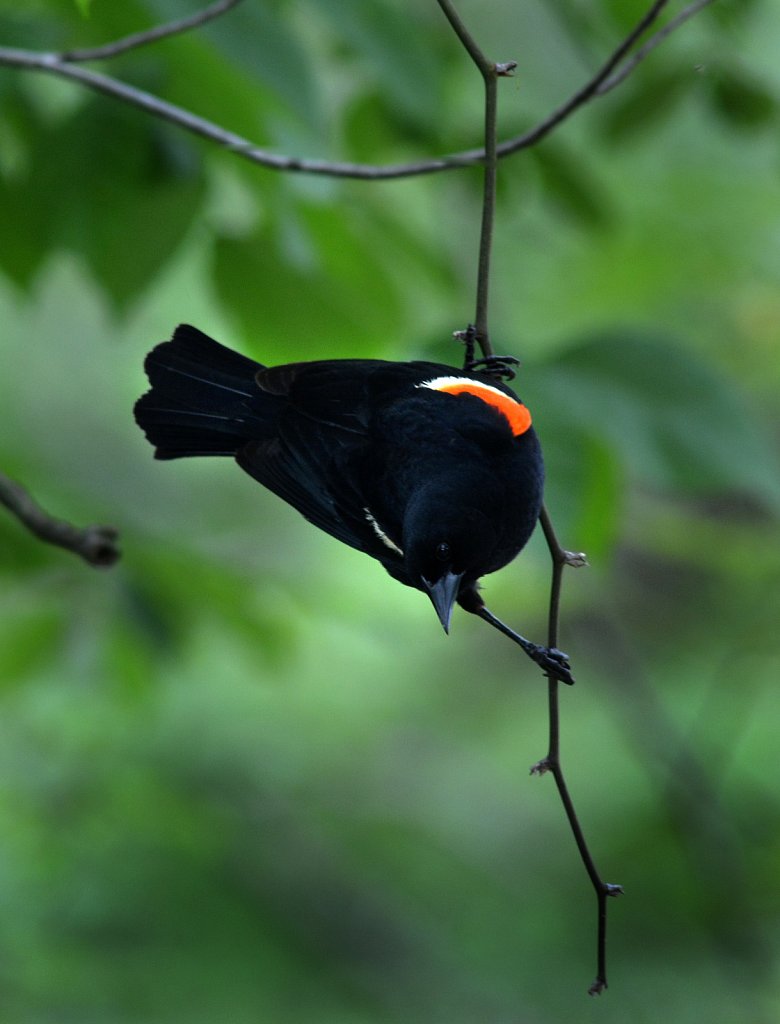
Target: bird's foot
[552,661]
[499,367]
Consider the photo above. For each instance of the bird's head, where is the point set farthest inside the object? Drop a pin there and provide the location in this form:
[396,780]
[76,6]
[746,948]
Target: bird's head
[448,546]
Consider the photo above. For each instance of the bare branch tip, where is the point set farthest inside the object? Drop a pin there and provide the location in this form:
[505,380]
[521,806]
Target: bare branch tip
[598,986]
[99,546]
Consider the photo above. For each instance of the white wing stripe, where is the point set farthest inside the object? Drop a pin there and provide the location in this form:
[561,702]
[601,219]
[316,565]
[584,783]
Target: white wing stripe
[381,534]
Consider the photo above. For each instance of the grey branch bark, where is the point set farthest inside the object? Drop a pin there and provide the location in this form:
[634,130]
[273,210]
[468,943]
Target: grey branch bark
[95,544]
[152,35]
[64,65]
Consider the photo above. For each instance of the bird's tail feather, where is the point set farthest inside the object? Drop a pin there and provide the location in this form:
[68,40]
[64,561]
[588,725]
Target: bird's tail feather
[200,402]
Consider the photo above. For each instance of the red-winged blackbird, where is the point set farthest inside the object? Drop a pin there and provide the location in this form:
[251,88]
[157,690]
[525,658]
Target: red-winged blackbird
[435,472]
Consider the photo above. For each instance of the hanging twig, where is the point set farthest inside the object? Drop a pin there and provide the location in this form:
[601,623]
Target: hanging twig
[490,74]
[618,76]
[560,558]
[552,762]
[95,544]
[64,66]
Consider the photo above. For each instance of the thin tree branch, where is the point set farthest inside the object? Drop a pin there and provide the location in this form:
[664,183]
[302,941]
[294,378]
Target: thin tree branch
[490,78]
[95,544]
[560,558]
[151,35]
[588,91]
[490,74]
[469,43]
[56,64]
[618,76]
[552,762]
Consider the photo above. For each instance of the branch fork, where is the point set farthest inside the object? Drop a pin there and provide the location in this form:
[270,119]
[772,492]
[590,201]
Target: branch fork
[618,66]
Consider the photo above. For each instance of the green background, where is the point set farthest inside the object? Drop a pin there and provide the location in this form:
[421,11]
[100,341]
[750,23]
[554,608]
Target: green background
[244,776]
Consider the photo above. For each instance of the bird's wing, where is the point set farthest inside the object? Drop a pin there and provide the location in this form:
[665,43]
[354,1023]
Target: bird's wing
[323,448]
[311,479]
[345,393]
[314,462]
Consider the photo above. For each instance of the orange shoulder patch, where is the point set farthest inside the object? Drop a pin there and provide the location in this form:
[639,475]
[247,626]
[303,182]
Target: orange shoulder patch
[515,412]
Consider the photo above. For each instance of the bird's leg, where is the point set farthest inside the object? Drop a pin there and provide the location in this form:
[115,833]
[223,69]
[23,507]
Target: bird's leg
[549,659]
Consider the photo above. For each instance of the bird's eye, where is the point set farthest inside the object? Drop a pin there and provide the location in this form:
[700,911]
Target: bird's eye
[443,551]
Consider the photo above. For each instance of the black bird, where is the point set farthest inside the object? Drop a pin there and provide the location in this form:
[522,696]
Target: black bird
[435,472]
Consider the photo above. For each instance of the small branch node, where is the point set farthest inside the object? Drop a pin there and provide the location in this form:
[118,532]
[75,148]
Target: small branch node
[575,559]
[506,69]
[598,986]
[541,767]
[468,338]
[610,889]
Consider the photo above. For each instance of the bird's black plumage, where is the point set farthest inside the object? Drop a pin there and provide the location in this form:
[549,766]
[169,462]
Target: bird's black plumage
[435,472]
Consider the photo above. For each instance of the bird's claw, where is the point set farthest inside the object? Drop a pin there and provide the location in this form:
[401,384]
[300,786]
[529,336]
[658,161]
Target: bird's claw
[494,366]
[554,662]
[499,367]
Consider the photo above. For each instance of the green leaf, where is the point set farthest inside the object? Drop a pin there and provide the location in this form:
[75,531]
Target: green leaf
[742,100]
[106,183]
[569,185]
[395,53]
[377,131]
[313,286]
[31,633]
[733,16]
[256,42]
[639,105]
[585,486]
[674,419]
[626,14]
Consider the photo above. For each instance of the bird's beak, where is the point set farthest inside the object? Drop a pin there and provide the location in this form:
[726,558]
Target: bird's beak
[444,593]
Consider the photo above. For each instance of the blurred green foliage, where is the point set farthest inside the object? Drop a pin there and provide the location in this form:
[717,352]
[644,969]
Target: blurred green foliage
[245,777]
